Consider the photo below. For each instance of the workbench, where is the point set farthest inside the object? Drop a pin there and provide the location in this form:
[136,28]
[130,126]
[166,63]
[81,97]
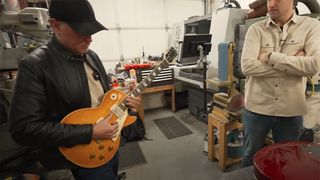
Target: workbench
[158,89]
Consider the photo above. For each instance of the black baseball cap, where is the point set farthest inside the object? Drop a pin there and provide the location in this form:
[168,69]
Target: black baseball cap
[78,14]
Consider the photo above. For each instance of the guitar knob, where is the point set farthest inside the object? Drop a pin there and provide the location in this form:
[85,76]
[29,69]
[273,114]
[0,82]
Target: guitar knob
[113,96]
[101,146]
[92,156]
[101,157]
[110,148]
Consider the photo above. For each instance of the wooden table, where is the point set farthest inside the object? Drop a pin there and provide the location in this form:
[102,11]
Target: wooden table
[158,89]
[220,152]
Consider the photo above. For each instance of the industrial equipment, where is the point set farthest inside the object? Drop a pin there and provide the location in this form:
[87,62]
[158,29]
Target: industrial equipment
[20,33]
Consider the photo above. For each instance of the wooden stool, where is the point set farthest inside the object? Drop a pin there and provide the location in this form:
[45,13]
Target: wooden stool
[220,152]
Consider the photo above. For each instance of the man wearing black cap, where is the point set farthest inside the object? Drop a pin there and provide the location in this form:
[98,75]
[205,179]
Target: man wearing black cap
[58,78]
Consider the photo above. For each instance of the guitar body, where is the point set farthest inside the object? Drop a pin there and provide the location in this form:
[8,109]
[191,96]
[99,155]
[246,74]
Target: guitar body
[288,161]
[98,152]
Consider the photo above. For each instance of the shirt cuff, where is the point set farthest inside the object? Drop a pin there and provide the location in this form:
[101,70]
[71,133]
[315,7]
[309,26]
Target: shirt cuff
[273,58]
[276,59]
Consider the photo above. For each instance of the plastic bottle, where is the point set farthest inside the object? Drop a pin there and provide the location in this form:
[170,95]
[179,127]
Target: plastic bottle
[133,75]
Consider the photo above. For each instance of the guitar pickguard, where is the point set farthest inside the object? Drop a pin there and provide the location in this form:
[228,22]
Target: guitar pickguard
[121,121]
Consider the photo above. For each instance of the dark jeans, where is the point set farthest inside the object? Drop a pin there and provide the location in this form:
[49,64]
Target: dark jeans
[108,171]
[257,126]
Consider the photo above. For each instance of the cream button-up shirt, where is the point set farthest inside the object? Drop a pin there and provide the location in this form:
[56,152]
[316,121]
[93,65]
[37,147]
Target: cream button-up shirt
[277,88]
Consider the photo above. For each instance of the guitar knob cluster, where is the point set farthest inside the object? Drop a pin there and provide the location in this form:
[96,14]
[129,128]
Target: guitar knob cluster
[101,157]
[110,148]
[101,146]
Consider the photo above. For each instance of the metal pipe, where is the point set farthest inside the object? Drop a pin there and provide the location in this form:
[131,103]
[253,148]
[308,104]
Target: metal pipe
[47,4]
[205,5]
[210,4]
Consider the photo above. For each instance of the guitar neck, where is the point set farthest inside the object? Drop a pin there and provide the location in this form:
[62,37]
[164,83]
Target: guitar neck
[147,81]
[137,91]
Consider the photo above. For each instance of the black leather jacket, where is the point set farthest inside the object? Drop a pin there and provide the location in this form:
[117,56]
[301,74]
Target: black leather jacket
[50,84]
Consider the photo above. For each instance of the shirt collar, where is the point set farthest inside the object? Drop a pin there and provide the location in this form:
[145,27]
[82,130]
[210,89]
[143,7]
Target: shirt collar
[294,19]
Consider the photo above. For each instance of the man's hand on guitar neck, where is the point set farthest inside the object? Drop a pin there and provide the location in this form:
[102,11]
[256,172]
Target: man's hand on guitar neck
[133,103]
[104,129]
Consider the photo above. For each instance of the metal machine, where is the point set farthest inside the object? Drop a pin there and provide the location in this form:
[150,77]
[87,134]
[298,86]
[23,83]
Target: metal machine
[222,29]
[228,25]
[20,33]
[197,25]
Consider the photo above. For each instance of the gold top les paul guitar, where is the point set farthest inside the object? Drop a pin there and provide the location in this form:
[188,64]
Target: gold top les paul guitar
[99,152]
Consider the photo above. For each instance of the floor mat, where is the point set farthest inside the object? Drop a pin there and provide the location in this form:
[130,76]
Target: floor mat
[171,127]
[130,155]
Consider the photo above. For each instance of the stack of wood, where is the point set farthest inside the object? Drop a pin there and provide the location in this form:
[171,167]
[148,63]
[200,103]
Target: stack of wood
[258,8]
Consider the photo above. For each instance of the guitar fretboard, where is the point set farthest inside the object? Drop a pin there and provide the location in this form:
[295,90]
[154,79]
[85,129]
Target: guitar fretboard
[144,83]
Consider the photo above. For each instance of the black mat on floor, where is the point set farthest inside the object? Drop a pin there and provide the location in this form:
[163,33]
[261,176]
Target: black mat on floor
[172,127]
[130,155]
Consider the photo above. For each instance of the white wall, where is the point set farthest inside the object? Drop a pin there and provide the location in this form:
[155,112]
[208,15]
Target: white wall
[137,24]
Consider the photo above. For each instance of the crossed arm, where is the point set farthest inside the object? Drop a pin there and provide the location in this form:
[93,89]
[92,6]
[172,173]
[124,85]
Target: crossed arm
[304,62]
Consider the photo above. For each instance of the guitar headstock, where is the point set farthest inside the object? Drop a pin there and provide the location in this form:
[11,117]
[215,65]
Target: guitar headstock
[171,54]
